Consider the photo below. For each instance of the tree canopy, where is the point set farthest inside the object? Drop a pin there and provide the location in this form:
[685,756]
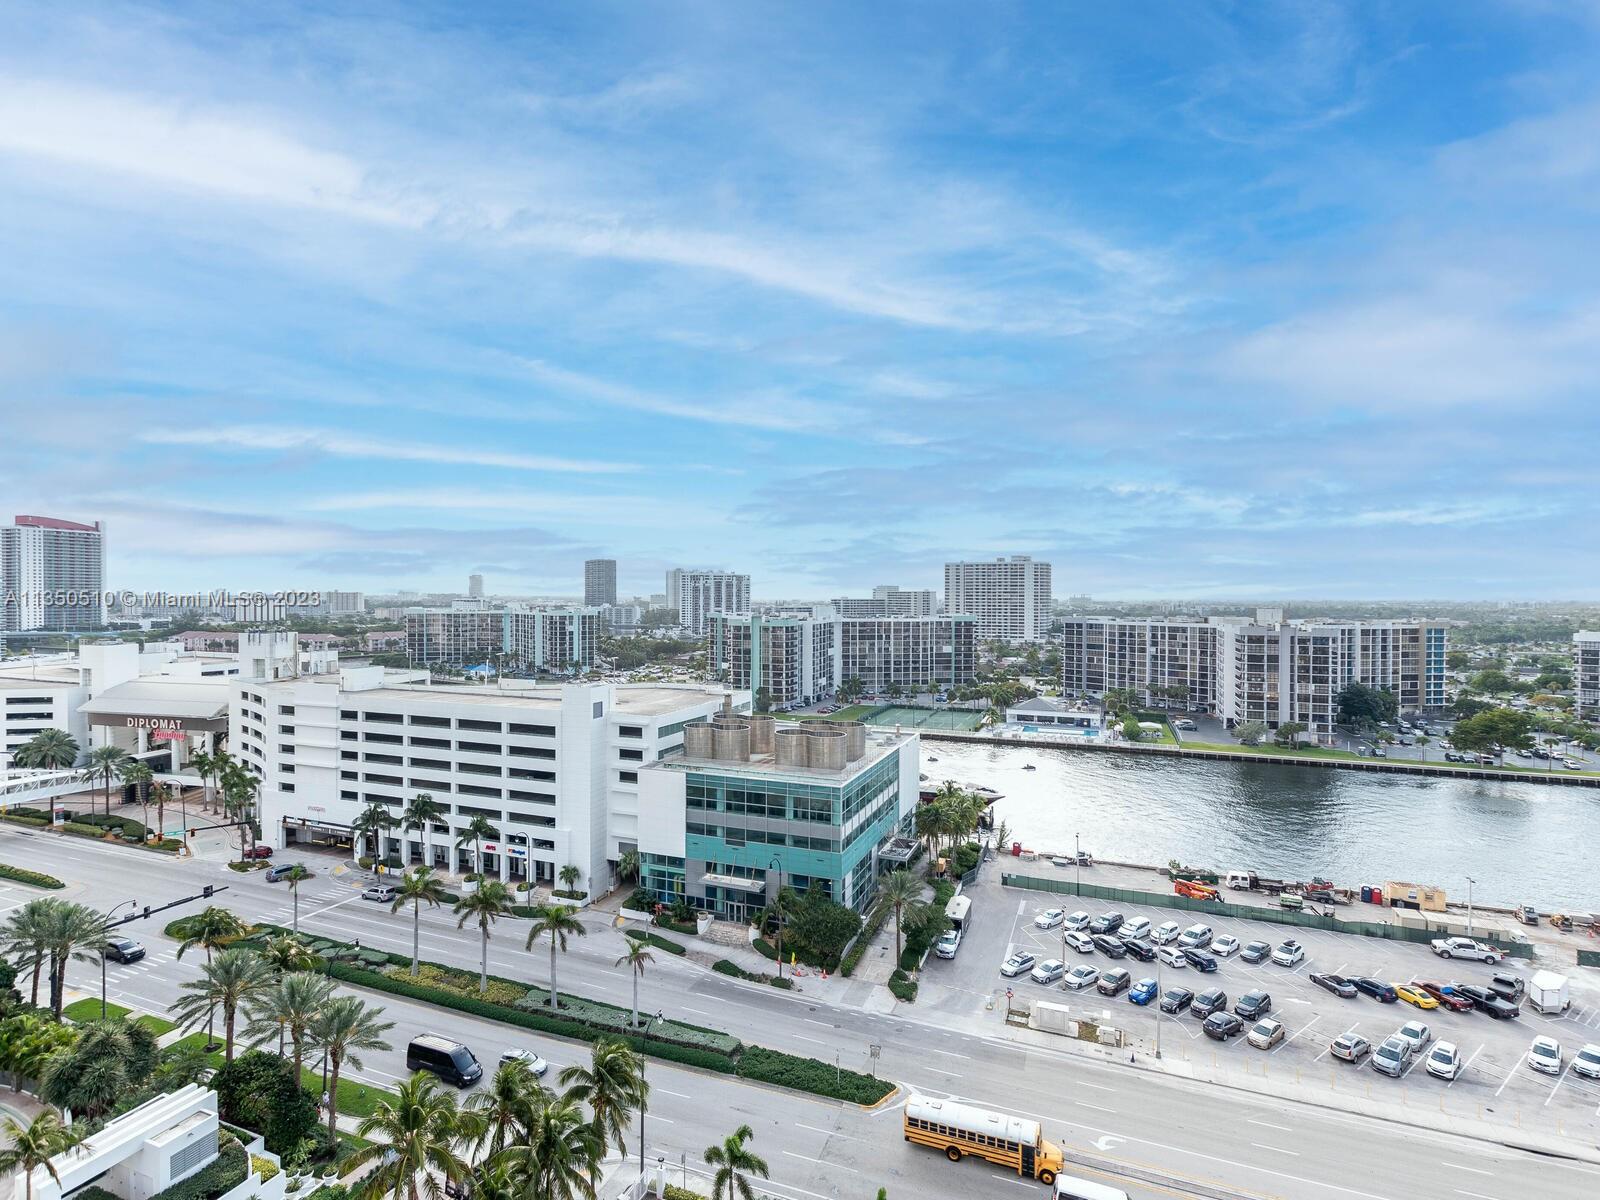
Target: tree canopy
[1360,704]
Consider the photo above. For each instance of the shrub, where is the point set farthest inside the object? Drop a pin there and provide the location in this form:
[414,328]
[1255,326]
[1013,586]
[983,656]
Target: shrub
[226,1172]
[460,982]
[567,894]
[37,823]
[641,901]
[903,989]
[258,1091]
[264,1167]
[671,1192]
[23,875]
[364,862]
[660,943]
[725,966]
[781,981]
[852,958]
[809,1075]
[666,922]
[79,829]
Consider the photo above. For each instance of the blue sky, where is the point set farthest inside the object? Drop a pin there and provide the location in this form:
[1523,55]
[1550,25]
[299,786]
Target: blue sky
[1194,300]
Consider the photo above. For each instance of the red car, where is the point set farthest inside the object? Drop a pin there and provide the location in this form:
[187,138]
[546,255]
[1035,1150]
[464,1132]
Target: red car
[260,850]
[1449,999]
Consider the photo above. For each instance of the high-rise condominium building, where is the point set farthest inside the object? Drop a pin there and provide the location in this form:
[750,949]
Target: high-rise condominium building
[697,594]
[52,574]
[600,582]
[888,600]
[475,586]
[1586,673]
[940,652]
[1264,669]
[1010,597]
[520,637]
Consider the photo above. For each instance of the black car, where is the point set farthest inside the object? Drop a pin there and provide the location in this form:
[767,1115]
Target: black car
[1375,988]
[1176,999]
[1252,1006]
[1110,946]
[1201,960]
[1488,1002]
[1222,1025]
[123,949]
[1114,982]
[1256,952]
[1106,923]
[1337,984]
[1209,1001]
[1139,948]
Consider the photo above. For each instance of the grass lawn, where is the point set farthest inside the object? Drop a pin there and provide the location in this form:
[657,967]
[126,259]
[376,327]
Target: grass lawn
[88,1009]
[159,1026]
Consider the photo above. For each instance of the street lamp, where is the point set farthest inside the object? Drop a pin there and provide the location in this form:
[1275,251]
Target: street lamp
[649,1021]
[777,898]
[109,915]
[1077,865]
[1470,882]
[1158,1006]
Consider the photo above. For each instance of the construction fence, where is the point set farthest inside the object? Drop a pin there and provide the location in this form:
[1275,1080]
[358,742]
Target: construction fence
[1589,958]
[1303,919]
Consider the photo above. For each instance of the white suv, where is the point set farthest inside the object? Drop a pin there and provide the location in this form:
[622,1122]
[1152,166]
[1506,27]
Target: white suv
[1194,937]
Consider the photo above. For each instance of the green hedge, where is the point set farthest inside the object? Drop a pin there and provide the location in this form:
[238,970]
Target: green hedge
[685,927]
[809,1075]
[226,1172]
[78,829]
[23,875]
[36,823]
[903,989]
[656,940]
[671,1192]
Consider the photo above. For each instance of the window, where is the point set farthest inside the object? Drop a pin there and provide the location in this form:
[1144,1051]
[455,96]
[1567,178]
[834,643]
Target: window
[480,747]
[286,787]
[480,726]
[289,729]
[533,751]
[631,755]
[348,775]
[472,789]
[477,769]
[436,722]
[348,796]
[432,743]
[627,777]
[388,739]
[526,773]
[630,731]
[394,779]
[348,735]
[392,759]
[430,785]
[350,755]
[435,763]
[285,749]
[536,797]
[345,714]
[384,718]
[286,710]
[533,730]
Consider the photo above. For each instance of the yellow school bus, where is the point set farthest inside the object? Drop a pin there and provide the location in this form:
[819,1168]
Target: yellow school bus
[963,1129]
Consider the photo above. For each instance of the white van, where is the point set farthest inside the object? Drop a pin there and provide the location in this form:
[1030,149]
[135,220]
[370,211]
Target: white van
[1138,927]
[1070,1187]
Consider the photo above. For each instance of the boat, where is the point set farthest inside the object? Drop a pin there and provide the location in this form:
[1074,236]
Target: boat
[1029,767]
[933,758]
[987,794]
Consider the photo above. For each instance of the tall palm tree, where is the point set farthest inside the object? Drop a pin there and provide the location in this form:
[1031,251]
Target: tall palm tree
[557,924]
[638,957]
[212,767]
[734,1161]
[103,764]
[373,821]
[503,1111]
[239,788]
[49,749]
[211,929]
[28,1041]
[628,866]
[902,892]
[136,772]
[418,886]
[26,935]
[419,817]
[344,1028]
[229,981]
[475,831]
[74,931]
[613,1086]
[487,905]
[560,1154]
[294,875]
[288,1008]
[35,1144]
[413,1141]
[161,795]
[286,953]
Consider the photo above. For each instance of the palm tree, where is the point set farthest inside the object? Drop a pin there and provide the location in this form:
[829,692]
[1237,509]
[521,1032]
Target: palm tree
[569,876]
[26,935]
[475,831]
[239,788]
[613,1086]
[103,764]
[901,891]
[734,1161]
[418,886]
[502,1112]
[343,1028]
[560,1154]
[488,904]
[73,931]
[211,768]
[557,924]
[28,1041]
[374,820]
[288,1008]
[412,1139]
[230,980]
[137,773]
[211,929]
[162,795]
[49,749]
[419,817]
[35,1144]
[638,958]
[294,875]
[628,866]
[287,953]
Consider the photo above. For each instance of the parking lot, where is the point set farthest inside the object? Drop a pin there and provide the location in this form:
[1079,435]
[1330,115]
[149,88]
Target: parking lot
[1495,1080]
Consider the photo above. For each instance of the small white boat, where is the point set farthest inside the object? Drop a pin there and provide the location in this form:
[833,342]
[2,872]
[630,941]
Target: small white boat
[1029,767]
[933,758]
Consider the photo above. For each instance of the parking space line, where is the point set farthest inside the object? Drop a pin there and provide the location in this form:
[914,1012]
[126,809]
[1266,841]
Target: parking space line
[1296,1034]
[1465,1065]
[1509,1074]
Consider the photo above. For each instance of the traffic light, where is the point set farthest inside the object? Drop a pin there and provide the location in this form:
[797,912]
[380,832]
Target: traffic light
[205,892]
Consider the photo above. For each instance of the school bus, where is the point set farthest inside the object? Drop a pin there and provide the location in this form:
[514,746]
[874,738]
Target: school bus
[964,1129]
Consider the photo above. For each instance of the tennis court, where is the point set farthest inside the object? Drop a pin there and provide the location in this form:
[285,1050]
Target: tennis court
[923,718]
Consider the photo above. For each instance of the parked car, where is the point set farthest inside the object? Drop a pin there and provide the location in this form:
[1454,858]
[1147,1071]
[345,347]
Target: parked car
[123,949]
[1256,952]
[1264,1035]
[1114,982]
[1050,918]
[1545,1055]
[527,1058]
[1209,1001]
[1165,932]
[1586,1062]
[1461,947]
[1049,971]
[1486,1001]
[1171,956]
[1194,936]
[1142,992]
[1200,960]
[1337,984]
[1444,1061]
[1106,923]
[1415,1032]
[258,851]
[1392,1056]
[1140,949]
[1221,1026]
[1253,1005]
[1137,927]
[1289,953]
[1508,987]
[280,871]
[1080,977]
[383,893]
[1078,920]
[1018,963]
[1415,996]
[1375,988]
[1350,1047]
[1446,997]
[1110,945]
[949,942]
[1079,941]
[1225,946]
[1176,999]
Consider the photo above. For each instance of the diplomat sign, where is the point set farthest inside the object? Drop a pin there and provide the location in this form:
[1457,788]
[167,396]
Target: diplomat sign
[161,729]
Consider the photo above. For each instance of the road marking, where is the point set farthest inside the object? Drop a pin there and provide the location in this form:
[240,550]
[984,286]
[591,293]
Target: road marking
[329,908]
[820,1163]
[1275,1149]
[1270,1125]
[699,1012]
[1477,1195]
[826,1132]
[812,1021]
[946,1053]
[1509,1074]
[1099,1087]
[1096,1107]
[800,1037]
[1465,1065]
[1474,1170]
[664,1092]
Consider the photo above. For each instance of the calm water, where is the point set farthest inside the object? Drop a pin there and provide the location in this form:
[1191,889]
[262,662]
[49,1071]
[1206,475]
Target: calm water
[1522,842]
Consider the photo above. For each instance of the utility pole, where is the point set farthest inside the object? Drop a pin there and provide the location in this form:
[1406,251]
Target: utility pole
[1470,882]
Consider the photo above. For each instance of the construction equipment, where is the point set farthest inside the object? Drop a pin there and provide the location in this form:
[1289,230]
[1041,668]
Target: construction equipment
[1194,890]
[1561,921]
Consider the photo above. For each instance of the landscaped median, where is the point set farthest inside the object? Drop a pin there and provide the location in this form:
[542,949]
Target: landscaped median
[35,878]
[527,1006]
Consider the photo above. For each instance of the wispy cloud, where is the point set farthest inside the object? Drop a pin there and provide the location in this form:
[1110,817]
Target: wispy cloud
[262,438]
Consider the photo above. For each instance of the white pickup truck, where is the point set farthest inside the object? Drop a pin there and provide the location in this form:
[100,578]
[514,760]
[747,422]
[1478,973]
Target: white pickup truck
[1460,947]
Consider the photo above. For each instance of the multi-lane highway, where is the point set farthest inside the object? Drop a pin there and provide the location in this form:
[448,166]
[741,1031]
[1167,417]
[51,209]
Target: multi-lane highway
[1189,1135]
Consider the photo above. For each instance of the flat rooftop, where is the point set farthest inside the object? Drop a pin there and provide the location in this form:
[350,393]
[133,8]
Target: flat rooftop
[880,744]
[23,677]
[644,701]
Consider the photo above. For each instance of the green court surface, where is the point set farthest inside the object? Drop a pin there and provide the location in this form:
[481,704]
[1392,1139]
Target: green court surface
[923,718]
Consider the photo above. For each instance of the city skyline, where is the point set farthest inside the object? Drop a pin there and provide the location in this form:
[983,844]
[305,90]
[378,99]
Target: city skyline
[1287,303]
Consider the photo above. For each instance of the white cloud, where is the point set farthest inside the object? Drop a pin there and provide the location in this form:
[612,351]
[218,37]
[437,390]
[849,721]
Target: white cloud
[347,445]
